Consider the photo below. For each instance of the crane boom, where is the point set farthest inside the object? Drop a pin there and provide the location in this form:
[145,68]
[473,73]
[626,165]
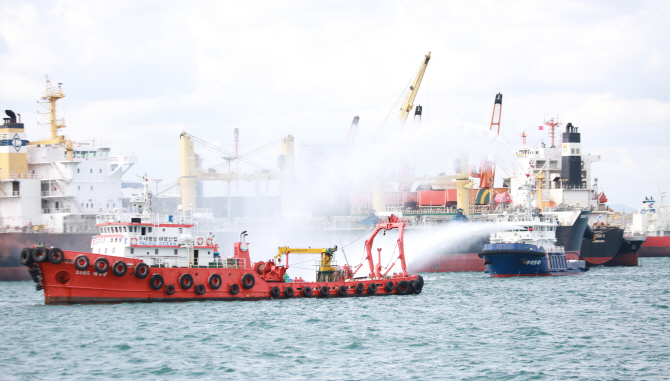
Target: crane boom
[488,168]
[326,271]
[413,90]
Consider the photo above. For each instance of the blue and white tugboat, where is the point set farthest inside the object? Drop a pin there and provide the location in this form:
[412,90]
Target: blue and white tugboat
[529,249]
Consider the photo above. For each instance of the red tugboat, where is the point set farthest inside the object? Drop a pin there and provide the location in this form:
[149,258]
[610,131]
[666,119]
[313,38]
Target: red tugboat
[160,261]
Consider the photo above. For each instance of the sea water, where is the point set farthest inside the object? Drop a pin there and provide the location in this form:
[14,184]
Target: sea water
[608,324]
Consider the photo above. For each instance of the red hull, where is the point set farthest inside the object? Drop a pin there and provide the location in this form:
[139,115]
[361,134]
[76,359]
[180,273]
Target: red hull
[655,247]
[593,261]
[449,263]
[14,273]
[63,284]
[624,259]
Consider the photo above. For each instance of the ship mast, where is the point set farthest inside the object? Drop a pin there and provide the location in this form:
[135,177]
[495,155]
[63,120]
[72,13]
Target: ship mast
[51,96]
[552,132]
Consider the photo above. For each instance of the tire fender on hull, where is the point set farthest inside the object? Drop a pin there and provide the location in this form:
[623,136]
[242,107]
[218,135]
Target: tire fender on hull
[81,262]
[156,281]
[186,281]
[142,270]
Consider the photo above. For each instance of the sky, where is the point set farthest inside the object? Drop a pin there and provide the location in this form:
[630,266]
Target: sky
[137,74]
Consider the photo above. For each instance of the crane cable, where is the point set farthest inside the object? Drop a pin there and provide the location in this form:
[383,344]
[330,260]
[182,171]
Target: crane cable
[387,265]
[395,105]
[364,234]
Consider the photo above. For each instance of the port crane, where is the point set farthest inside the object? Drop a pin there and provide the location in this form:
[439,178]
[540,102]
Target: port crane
[190,174]
[462,177]
[408,105]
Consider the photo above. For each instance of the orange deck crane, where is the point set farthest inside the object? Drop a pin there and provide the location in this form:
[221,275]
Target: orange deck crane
[488,168]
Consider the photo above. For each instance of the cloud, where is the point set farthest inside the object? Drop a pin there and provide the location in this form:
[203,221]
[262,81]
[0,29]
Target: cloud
[306,68]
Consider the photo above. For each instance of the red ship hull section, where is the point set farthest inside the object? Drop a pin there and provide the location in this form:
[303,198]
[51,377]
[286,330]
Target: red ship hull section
[63,284]
[450,263]
[596,260]
[14,273]
[655,247]
[624,259]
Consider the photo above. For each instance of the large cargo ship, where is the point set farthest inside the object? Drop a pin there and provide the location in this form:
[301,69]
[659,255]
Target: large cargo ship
[51,190]
[563,188]
[654,224]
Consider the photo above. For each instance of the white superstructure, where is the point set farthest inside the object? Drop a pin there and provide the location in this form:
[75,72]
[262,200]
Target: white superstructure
[538,231]
[56,185]
[544,164]
[159,240]
[649,220]
[528,229]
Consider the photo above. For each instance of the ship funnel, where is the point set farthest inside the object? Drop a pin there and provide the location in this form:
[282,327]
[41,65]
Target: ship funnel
[571,171]
[11,115]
